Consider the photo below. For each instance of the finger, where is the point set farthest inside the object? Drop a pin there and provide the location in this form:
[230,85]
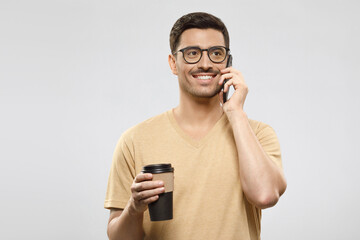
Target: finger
[225,76]
[147,185]
[236,82]
[230,69]
[143,177]
[148,193]
[228,84]
[226,70]
[149,200]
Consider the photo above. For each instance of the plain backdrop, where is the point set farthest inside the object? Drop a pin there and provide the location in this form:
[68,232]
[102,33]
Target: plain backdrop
[75,74]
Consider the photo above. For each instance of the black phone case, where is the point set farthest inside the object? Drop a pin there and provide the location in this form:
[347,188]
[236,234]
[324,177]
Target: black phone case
[225,94]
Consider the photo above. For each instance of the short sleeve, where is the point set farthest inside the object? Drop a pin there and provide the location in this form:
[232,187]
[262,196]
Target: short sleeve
[270,143]
[122,174]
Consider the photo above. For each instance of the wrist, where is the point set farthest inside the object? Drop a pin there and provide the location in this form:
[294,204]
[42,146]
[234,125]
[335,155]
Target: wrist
[132,210]
[236,116]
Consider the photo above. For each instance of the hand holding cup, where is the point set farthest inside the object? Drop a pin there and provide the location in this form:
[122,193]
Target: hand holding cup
[162,208]
[144,191]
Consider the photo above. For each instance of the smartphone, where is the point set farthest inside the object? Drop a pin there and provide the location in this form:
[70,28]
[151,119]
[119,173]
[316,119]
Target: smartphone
[225,94]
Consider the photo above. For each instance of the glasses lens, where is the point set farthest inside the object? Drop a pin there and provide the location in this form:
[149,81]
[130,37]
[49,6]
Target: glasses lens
[217,54]
[192,55]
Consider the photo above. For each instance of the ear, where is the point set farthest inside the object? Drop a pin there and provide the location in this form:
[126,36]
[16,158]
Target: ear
[172,64]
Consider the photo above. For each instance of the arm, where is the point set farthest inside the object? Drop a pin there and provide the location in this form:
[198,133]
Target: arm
[123,225]
[127,223]
[262,181]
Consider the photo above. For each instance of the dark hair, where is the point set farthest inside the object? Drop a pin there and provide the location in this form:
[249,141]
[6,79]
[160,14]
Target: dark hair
[199,20]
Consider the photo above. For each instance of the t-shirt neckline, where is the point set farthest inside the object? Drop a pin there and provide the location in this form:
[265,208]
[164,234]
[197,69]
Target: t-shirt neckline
[195,142]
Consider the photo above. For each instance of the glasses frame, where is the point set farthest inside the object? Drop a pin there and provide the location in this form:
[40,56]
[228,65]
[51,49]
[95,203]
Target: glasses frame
[201,51]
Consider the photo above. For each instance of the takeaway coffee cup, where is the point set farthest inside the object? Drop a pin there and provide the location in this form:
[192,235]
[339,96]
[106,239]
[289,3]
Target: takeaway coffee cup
[162,209]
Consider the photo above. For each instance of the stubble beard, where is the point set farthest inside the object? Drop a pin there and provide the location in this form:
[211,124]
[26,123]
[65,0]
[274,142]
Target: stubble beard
[200,91]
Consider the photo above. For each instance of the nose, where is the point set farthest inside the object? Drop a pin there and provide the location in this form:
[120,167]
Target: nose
[205,63]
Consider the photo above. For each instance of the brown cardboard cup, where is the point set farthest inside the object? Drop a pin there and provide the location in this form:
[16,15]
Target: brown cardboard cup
[162,209]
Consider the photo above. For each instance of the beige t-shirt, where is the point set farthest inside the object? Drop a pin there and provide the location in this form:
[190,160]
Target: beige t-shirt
[208,200]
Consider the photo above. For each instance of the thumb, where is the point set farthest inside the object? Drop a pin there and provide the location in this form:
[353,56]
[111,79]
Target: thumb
[221,98]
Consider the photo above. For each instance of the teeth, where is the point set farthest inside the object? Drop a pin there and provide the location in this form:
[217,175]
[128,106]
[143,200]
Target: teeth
[204,77]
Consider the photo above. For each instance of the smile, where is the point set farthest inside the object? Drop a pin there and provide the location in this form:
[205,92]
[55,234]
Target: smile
[204,77]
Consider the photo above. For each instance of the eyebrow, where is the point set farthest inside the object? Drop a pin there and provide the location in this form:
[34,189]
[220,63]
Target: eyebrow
[192,46]
[203,48]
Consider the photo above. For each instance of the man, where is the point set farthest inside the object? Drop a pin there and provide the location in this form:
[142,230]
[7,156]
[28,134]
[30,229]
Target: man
[227,167]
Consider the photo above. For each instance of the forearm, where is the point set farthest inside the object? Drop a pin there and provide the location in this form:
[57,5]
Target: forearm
[127,226]
[261,179]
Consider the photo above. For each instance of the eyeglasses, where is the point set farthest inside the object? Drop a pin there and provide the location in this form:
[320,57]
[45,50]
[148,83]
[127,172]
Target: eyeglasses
[216,54]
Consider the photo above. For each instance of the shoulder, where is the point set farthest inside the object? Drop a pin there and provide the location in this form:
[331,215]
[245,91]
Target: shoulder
[260,128]
[268,140]
[148,127]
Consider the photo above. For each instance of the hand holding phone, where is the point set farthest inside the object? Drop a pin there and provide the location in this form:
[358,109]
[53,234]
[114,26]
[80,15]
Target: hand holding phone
[225,94]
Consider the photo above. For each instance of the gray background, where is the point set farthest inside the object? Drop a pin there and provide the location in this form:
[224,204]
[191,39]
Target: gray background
[75,74]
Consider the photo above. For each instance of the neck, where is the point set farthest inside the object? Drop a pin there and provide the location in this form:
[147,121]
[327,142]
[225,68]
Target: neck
[198,112]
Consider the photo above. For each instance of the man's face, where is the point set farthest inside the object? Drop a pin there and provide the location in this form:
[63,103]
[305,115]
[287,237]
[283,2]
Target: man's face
[200,79]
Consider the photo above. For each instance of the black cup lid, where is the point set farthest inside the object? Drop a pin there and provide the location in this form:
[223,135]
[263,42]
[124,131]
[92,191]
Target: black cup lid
[158,168]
